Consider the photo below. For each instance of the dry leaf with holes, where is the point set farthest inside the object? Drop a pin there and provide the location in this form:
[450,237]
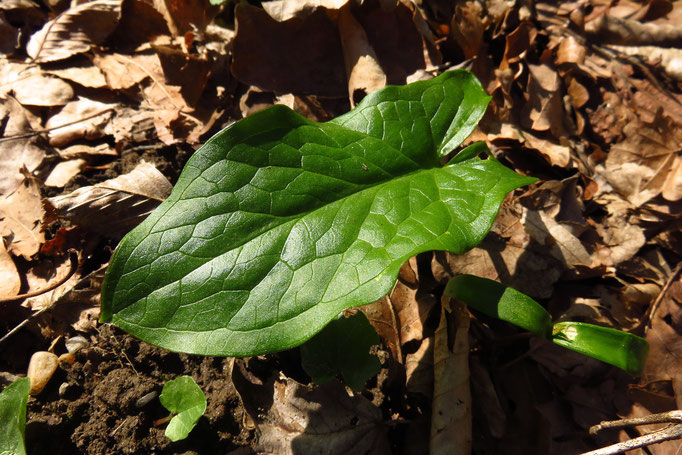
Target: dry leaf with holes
[74,31]
[21,214]
[83,119]
[31,86]
[17,154]
[115,206]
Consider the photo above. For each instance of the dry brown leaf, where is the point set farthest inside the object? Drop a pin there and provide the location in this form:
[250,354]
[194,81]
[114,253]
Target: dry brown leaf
[189,72]
[82,151]
[10,281]
[619,230]
[555,153]
[299,55]
[451,411]
[545,105]
[17,154]
[642,165]
[185,16]
[282,10]
[364,72]
[21,213]
[84,119]
[43,276]
[31,86]
[85,75]
[124,71]
[115,206]
[63,172]
[293,418]
[75,31]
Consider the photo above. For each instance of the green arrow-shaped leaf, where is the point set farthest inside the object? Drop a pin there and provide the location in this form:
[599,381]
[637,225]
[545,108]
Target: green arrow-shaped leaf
[278,223]
[183,397]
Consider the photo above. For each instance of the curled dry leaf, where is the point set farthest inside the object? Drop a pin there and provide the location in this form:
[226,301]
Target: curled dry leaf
[115,206]
[31,86]
[83,118]
[21,213]
[75,31]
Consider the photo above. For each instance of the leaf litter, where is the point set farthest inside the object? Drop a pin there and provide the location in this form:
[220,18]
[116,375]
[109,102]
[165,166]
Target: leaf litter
[94,89]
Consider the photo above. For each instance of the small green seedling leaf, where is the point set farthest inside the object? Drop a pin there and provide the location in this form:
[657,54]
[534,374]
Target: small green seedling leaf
[502,302]
[13,400]
[623,350]
[183,397]
[279,223]
[342,348]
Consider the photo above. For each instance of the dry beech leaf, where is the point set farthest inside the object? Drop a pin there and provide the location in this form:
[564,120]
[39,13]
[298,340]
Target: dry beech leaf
[21,214]
[75,31]
[83,151]
[31,86]
[64,171]
[293,418]
[115,206]
[282,10]
[84,119]
[364,72]
[10,282]
[86,75]
[43,275]
[124,71]
[645,163]
[17,154]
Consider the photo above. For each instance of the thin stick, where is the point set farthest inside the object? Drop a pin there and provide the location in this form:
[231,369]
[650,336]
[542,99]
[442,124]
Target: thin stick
[15,137]
[665,434]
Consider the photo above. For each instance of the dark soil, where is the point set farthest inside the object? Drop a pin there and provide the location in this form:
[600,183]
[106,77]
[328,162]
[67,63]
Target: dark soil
[98,412]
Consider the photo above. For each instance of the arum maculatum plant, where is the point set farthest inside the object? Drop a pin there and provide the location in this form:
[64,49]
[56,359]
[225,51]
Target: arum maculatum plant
[278,223]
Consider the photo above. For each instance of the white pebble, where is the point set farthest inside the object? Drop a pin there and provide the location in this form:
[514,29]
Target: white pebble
[42,366]
[75,344]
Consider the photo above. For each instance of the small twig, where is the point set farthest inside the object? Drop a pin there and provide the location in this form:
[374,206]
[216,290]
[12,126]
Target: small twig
[668,433]
[73,258]
[15,137]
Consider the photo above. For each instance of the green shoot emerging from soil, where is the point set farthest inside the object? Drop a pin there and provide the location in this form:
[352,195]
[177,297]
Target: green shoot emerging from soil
[13,400]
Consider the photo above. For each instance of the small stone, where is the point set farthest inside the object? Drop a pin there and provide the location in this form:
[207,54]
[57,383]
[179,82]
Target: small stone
[67,358]
[145,399]
[75,344]
[63,388]
[42,366]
